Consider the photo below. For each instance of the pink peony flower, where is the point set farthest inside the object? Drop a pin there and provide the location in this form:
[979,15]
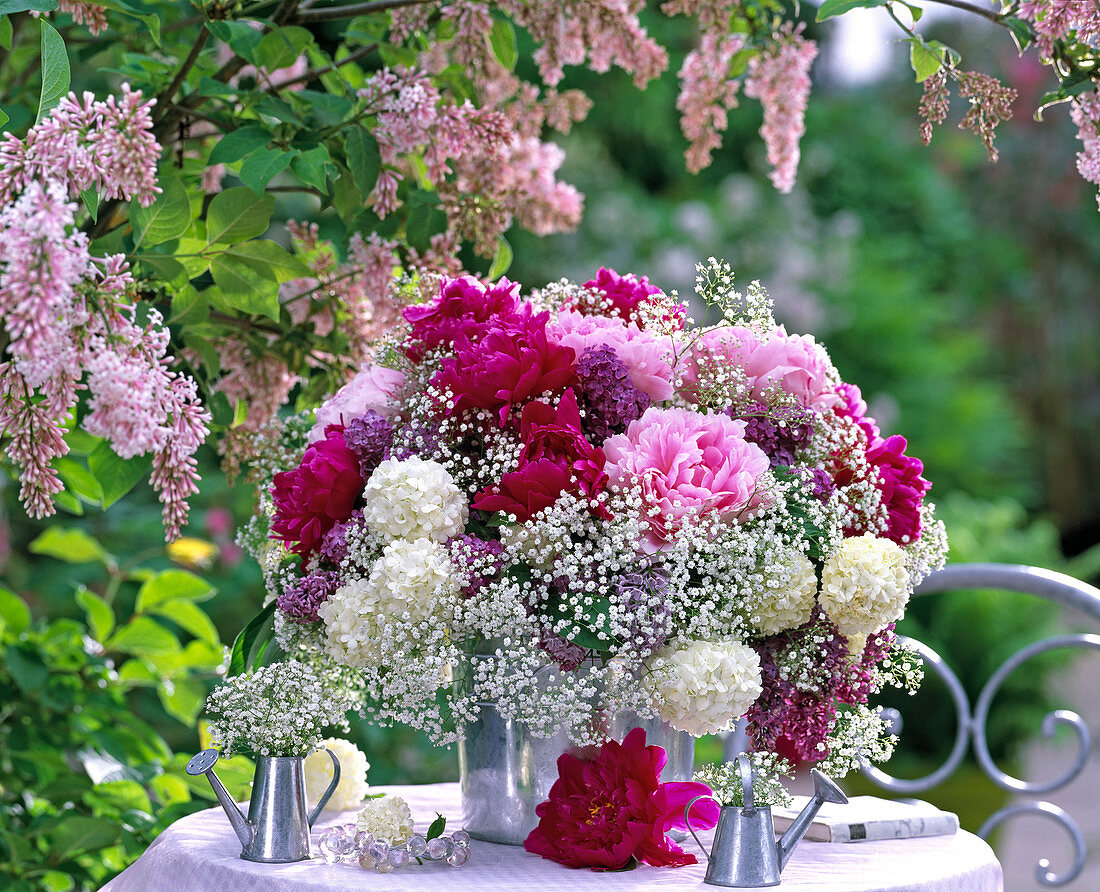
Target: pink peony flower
[852,405]
[624,292]
[686,464]
[645,355]
[901,485]
[796,363]
[513,362]
[375,388]
[462,310]
[611,809]
[317,494]
[555,458]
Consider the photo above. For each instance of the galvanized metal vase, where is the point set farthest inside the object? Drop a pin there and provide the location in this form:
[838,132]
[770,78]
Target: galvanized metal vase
[505,771]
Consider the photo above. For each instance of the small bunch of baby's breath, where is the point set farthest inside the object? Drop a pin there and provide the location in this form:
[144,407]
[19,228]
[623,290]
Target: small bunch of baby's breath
[277,710]
[767,789]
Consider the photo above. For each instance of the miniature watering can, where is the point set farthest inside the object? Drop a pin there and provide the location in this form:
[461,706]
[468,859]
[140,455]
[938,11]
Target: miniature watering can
[277,829]
[745,853]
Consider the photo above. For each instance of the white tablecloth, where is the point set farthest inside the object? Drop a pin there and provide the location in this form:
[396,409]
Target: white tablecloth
[200,852]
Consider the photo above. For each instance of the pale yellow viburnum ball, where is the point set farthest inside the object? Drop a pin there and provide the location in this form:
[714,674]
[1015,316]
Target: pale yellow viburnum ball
[388,818]
[787,600]
[864,585]
[352,788]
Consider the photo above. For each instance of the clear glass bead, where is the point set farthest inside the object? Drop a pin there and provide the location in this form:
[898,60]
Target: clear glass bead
[399,858]
[367,861]
[383,867]
[379,849]
[458,856]
[461,838]
[417,846]
[362,840]
[439,848]
[328,852]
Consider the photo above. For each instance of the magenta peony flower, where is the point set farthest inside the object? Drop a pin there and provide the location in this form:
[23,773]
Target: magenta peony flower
[610,809]
[645,355]
[624,292]
[852,405]
[512,363]
[461,311]
[686,464]
[902,487]
[374,388]
[317,494]
[555,458]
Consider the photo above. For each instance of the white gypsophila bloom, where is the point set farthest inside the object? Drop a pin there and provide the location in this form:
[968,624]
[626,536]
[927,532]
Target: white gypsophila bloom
[406,585]
[352,787]
[787,599]
[864,584]
[705,687]
[388,818]
[767,787]
[412,498]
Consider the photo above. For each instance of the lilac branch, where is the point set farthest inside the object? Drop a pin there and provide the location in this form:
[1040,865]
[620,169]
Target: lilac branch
[332,13]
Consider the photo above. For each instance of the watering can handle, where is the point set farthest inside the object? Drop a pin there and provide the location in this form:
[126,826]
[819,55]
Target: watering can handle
[687,820]
[331,788]
[748,780]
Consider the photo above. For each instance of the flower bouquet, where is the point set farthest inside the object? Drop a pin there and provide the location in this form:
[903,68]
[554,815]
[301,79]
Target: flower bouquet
[695,524]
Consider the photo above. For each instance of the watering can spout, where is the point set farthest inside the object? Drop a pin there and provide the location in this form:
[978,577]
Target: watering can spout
[203,763]
[824,791]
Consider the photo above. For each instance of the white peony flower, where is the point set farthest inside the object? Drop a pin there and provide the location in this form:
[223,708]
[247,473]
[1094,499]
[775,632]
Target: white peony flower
[411,498]
[787,601]
[406,583]
[864,585]
[387,818]
[352,788]
[705,687]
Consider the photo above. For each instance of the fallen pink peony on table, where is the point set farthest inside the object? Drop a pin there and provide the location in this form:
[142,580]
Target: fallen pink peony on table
[611,810]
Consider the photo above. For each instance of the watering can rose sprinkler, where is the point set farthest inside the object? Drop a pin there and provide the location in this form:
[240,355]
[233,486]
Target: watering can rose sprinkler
[745,854]
[276,830]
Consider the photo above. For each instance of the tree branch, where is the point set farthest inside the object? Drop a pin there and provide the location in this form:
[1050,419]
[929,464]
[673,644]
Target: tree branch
[332,13]
[164,101]
[995,17]
[315,73]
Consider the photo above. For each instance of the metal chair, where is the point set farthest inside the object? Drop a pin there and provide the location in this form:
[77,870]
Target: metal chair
[971,727]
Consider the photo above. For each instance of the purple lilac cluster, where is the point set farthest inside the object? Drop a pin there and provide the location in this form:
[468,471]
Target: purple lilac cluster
[300,601]
[856,685]
[644,595]
[781,431]
[369,437]
[565,653]
[802,718]
[821,483]
[470,552]
[611,398]
[334,547]
[422,440]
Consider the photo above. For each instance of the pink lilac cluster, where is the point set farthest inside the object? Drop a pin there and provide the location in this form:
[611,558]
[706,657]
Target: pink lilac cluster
[84,13]
[590,491]
[707,93]
[1085,112]
[69,317]
[1055,20]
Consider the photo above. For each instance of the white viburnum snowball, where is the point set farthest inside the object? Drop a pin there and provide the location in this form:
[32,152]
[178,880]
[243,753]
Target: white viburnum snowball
[705,687]
[413,498]
[788,598]
[352,788]
[387,818]
[864,585]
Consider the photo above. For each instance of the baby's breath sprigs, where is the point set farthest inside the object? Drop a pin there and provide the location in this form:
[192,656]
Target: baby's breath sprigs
[767,789]
[277,710]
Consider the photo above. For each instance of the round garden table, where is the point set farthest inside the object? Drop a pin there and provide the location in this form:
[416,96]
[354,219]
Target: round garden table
[201,852]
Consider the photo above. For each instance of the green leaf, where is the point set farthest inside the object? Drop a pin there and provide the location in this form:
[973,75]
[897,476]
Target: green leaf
[167,218]
[831,8]
[26,668]
[238,143]
[90,199]
[77,833]
[924,60]
[116,475]
[423,222]
[583,632]
[1021,31]
[281,47]
[242,288]
[55,70]
[437,826]
[190,618]
[503,41]
[184,699]
[15,614]
[150,20]
[165,270]
[501,260]
[70,503]
[313,168]
[3,114]
[268,258]
[79,480]
[364,159]
[9,6]
[262,165]
[172,585]
[101,618]
[242,38]
[71,546]
[236,215]
[242,646]
[5,43]
[143,637]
